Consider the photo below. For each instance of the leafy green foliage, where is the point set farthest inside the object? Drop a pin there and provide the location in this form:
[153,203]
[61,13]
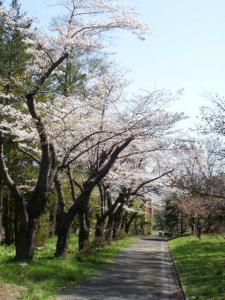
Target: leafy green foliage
[201,266]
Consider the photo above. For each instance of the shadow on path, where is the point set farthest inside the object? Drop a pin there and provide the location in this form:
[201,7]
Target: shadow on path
[143,271]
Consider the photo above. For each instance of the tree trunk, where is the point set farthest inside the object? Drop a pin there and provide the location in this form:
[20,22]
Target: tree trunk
[62,224]
[117,223]
[199,229]
[199,233]
[62,231]
[122,226]
[83,233]
[1,212]
[110,214]
[99,227]
[62,242]
[8,224]
[191,223]
[127,226]
[109,230]
[26,228]
[64,221]
[25,241]
[209,224]
[182,224]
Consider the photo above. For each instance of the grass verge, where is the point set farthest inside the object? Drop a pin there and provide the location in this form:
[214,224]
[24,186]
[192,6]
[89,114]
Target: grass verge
[201,266]
[46,276]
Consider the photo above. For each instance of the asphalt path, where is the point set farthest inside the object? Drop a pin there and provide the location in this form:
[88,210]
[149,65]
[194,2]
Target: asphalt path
[143,271]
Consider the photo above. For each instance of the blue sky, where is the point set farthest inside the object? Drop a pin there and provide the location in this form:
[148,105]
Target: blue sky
[185,47]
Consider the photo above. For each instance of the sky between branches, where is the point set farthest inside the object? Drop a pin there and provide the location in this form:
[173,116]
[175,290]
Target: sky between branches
[185,47]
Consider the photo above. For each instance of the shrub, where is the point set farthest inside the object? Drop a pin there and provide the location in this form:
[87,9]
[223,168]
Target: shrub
[91,247]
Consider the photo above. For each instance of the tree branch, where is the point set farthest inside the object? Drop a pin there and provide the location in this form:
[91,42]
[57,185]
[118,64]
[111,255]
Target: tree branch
[149,181]
[29,154]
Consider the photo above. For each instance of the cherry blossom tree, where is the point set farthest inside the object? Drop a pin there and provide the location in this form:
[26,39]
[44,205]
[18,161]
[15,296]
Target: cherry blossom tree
[198,169]
[80,29]
[117,130]
[198,181]
[212,116]
[131,172]
[132,177]
[200,212]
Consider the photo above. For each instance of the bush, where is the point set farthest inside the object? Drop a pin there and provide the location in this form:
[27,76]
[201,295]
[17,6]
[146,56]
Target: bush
[120,234]
[91,247]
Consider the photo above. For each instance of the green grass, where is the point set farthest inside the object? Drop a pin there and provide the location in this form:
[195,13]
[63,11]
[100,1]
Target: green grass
[201,266]
[47,275]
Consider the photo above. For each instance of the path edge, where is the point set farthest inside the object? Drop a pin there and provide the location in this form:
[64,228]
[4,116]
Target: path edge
[182,287]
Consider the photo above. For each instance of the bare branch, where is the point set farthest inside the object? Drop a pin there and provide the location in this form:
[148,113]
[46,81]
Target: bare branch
[149,181]
[29,155]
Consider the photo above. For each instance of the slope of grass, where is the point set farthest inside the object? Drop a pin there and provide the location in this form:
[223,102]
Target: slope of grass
[47,275]
[201,266]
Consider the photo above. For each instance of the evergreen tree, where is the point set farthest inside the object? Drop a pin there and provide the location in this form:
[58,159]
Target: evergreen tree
[171,214]
[13,55]
[13,77]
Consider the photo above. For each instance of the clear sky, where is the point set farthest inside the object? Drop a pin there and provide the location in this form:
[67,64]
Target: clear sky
[185,47]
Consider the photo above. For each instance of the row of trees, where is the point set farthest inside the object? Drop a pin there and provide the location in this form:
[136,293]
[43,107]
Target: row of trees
[78,154]
[72,145]
[197,202]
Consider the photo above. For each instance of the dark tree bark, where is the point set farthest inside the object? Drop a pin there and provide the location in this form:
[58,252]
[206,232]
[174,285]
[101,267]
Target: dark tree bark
[192,224]
[99,227]
[1,217]
[28,214]
[209,224]
[1,208]
[109,229]
[128,224]
[83,232]
[117,220]
[198,228]
[107,214]
[62,229]
[62,240]
[124,221]
[181,224]
[25,241]
[9,219]
[81,202]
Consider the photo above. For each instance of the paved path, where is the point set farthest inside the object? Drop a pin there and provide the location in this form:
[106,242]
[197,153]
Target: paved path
[144,271]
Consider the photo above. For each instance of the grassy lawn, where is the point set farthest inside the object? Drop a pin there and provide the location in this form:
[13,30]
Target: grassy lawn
[47,275]
[201,265]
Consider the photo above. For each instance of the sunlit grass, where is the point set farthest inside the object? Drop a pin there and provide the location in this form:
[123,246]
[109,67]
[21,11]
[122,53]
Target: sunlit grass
[201,265]
[47,275]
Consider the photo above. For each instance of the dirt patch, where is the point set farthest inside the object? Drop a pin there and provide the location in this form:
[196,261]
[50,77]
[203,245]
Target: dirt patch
[10,292]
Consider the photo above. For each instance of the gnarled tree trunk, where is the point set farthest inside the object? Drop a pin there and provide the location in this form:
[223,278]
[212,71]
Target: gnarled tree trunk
[8,210]
[25,240]
[81,203]
[62,239]
[84,231]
